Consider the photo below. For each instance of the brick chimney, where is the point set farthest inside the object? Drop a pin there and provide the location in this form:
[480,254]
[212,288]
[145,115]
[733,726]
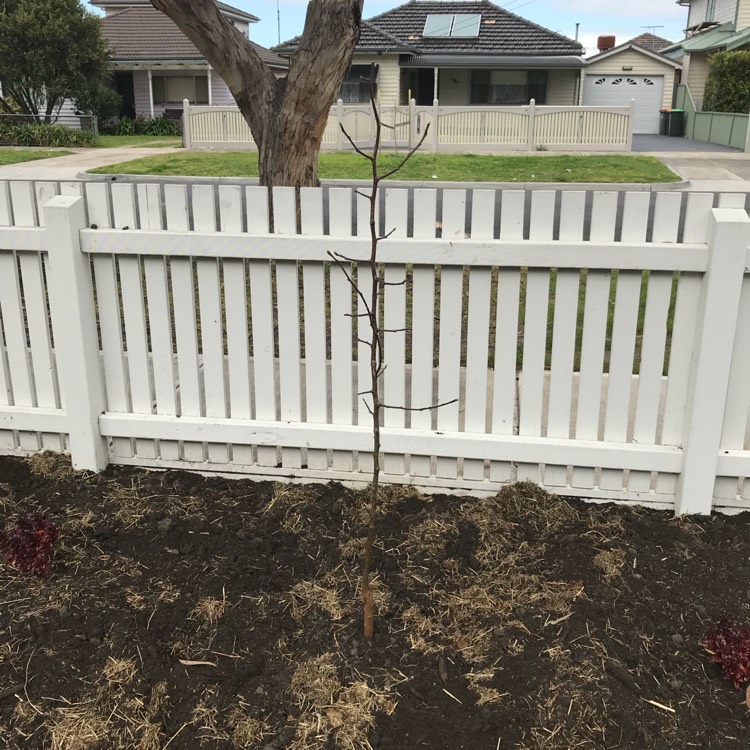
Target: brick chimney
[605,42]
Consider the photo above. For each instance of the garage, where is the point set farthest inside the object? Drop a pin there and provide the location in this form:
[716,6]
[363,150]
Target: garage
[619,90]
[616,76]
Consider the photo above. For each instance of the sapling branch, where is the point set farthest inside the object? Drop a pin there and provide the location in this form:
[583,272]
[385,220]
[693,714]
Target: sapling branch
[372,306]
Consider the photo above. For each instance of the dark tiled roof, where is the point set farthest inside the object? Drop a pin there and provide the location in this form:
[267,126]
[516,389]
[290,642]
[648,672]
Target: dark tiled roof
[500,32]
[651,42]
[143,33]
[130,3]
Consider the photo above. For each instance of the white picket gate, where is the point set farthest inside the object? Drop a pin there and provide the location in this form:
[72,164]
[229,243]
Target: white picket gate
[597,343]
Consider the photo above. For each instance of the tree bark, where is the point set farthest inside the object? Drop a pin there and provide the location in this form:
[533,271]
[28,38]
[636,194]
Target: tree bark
[287,116]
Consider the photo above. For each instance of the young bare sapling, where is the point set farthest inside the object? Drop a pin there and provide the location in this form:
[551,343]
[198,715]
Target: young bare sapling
[375,340]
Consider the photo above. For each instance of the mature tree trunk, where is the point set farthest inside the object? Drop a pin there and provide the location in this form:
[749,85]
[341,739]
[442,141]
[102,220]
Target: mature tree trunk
[287,116]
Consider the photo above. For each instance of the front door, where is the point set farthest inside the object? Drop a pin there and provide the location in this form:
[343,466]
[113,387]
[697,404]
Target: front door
[123,81]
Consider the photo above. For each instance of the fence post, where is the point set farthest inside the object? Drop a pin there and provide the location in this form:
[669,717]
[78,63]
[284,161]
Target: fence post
[339,124]
[412,123]
[186,140]
[747,137]
[532,124]
[435,126]
[729,237]
[74,327]
[631,125]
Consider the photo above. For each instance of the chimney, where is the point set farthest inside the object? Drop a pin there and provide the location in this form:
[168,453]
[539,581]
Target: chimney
[605,42]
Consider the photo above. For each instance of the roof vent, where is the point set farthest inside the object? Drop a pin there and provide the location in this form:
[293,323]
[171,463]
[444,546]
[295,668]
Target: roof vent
[605,42]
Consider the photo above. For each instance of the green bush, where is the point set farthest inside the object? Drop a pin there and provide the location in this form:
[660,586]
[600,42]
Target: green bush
[140,126]
[161,126]
[728,83]
[44,135]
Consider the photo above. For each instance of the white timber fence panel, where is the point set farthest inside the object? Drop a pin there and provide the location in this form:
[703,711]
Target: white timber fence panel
[487,128]
[592,342]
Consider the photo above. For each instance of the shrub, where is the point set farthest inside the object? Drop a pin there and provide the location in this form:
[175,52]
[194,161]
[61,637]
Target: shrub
[728,83]
[141,126]
[44,135]
[29,545]
[728,642]
[161,126]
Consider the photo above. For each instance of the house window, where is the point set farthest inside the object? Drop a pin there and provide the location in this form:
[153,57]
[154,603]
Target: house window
[710,10]
[508,87]
[452,24]
[355,88]
[173,89]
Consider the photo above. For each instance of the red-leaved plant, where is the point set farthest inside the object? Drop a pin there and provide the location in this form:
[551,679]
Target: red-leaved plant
[728,642]
[28,546]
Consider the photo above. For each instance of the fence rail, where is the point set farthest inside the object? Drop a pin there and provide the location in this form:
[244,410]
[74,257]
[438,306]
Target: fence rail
[596,342]
[452,128]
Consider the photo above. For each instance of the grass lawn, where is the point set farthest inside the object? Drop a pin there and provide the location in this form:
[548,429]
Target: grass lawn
[144,141]
[14,156]
[444,167]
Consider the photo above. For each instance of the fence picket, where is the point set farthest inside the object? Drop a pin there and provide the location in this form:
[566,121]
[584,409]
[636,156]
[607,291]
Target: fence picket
[40,343]
[627,301]
[504,390]
[653,344]
[315,329]
[737,412]
[235,312]
[478,325]
[449,347]
[287,289]
[535,332]
[342,360]
[394,324]
[423,328]
[572,215]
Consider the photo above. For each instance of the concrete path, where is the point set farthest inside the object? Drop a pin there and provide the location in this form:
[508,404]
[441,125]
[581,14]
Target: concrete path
[70,167]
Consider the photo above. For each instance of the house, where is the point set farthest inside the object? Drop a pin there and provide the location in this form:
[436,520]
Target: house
[713,26]
[635,70]
[461,53]
[156,66]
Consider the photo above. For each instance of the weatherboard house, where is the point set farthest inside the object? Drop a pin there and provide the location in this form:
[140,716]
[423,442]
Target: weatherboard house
[156,66]
[462,53]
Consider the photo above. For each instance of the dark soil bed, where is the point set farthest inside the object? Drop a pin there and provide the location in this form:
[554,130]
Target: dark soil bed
[524,621]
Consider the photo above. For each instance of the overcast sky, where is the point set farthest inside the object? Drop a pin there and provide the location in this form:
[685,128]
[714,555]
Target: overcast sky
[624,18]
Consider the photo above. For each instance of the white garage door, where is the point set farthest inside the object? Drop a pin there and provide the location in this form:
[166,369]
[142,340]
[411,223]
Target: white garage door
[618,90]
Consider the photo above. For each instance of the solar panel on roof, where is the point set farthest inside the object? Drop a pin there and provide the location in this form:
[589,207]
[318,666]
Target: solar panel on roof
[466,24]
[438,24]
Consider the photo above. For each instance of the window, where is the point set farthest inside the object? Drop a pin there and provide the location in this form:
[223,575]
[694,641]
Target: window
[508,87]
[710,10]
[452,24]
[173,89]
[355,88]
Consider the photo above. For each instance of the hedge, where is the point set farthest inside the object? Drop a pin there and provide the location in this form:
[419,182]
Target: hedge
[44,135]
[728,83]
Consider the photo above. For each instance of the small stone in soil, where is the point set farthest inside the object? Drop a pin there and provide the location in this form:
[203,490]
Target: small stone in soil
[675,684]
[677,639]
[94,641]
[165,524]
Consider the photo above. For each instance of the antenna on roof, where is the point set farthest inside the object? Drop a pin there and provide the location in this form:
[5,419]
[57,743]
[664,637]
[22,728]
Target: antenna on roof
[278,20]
[653,28]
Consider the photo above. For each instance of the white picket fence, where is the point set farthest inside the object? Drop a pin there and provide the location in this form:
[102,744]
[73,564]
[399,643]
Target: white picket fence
[164,326]
[524,128]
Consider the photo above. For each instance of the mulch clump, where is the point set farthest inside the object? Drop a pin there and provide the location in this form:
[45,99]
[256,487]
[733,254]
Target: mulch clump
[189,612]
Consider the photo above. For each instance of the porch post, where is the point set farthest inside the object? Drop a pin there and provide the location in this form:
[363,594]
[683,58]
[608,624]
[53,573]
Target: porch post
[151,92]
[435,83]
[210,95]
